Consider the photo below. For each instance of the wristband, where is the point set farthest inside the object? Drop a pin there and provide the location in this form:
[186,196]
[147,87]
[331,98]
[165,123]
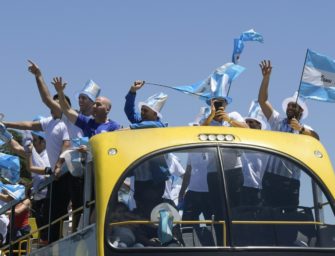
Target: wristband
[302,130]
[48,171]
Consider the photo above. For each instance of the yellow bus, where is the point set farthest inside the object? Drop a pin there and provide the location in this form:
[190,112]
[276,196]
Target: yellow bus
[206,191]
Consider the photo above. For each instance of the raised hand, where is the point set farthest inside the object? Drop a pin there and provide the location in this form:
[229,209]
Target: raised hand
[138,84]
[34,69]
[58,84]
[266,68]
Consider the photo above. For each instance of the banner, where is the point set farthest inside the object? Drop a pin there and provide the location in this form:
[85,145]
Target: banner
[318,78]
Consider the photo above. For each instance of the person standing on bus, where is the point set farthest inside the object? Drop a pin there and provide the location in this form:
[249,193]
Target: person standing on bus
[37,162]
[150,116]
[57,141]
[281,182]
[98,123]
[86,98]
[150,177]
[253,168]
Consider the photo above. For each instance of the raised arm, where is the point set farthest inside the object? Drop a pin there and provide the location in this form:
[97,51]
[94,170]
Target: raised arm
[43,89]
[70,113]
[17,148]
[129,107]
[263,90]
[25,125]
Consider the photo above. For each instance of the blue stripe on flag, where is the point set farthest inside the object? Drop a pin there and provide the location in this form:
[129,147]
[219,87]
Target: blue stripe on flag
[320,61]
[318,78]
[310,91]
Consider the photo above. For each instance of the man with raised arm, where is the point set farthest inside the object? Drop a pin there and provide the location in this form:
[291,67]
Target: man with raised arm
[150,116]
[90,125]
[57,141]
[296,109]
[281,181]
[149,181]
[86,99]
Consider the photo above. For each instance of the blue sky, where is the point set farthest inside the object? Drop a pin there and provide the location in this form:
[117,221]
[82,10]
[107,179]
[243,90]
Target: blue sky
[173,42]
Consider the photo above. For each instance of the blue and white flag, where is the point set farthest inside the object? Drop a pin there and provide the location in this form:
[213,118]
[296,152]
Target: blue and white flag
[255,112]
[318,79]
[215,85]
[10,167]
[250,35]
[17,192]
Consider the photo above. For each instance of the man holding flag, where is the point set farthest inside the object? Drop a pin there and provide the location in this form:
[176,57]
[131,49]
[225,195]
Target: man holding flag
[281,181]
[295,107]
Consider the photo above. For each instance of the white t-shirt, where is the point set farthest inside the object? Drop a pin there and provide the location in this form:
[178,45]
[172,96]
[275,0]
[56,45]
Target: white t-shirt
[173,184]
[55,134]
[74,131]
[199,168]
[232,115]
[253,169]
[39,160]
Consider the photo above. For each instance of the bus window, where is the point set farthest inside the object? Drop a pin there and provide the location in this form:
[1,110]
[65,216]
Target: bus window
[189,181]
[274,202]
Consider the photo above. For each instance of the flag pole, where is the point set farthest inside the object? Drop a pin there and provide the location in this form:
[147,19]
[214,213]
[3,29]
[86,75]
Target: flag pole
[170,87]
[228,89]
[302,73]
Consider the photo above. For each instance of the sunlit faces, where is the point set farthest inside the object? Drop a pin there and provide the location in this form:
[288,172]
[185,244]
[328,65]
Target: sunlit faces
[85,103]
[39,143]
[253,124]
[148,114]
[294,110]
[101,107]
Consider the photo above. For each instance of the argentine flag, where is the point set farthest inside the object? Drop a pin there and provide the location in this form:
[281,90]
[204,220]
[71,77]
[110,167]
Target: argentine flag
[318,79]
[216,84]
[250,35]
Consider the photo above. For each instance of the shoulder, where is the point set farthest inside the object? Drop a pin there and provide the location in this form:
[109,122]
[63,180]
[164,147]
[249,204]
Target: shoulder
[308,127]
[45,120]
[113,125]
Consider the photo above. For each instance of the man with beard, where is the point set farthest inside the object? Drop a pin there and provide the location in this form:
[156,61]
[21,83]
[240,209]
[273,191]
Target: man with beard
[281,182]
[295,109]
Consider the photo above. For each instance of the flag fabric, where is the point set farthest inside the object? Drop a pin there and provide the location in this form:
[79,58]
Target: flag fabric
[215,85]
[318,78]
[255,112]
[17,191]
[250,35]
[10,167]
[5,135]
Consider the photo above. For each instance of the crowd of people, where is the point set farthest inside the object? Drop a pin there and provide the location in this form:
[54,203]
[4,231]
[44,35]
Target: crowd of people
[51,136]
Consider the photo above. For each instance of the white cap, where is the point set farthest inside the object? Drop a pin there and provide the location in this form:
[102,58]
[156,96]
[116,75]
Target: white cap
[256,113]
[154,216]
[91,90]
[263,124]
[300,102]
[155,102]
